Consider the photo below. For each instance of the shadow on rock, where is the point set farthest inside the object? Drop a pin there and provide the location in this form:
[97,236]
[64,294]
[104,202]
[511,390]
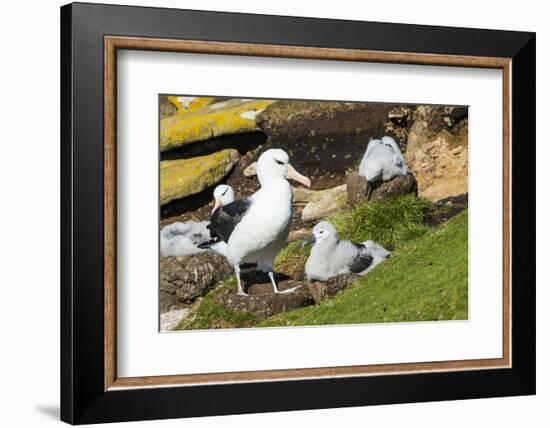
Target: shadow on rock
[262,302]
[397,186]
[445,209]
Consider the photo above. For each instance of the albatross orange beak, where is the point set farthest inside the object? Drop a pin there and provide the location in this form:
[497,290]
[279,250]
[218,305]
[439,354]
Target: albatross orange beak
[296,176]
[217,204]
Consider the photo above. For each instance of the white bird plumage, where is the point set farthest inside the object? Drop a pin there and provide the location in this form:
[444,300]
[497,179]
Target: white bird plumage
[330,257]
[382,161]
[258,226]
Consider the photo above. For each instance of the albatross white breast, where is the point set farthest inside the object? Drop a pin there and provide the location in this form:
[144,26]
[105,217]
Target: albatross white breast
[256,228]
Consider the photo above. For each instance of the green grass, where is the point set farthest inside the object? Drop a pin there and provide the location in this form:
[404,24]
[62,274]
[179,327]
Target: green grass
[425,280]
[292,259]
[390,222]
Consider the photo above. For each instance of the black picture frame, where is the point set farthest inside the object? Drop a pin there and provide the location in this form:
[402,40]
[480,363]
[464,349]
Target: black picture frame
[83,396]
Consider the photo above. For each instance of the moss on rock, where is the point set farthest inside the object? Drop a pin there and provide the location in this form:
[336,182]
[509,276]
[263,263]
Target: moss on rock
[184,177]
[228,117]
[184,105]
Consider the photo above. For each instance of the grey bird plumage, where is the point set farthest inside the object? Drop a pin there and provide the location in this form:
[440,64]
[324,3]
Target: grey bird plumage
[331,257]
[382,161]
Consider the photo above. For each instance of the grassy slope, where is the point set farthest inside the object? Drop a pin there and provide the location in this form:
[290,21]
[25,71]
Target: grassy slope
[404,288]
[425,279]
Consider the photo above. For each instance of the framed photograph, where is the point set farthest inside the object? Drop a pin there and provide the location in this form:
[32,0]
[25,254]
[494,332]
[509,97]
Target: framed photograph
[266,213]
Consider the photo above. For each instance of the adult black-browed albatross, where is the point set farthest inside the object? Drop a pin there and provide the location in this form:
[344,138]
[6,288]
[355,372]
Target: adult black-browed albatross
[255,228]
[330,256]
[382,161]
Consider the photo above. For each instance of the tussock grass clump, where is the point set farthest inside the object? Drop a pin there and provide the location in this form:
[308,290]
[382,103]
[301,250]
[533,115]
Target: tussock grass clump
[390,222]
[292,259]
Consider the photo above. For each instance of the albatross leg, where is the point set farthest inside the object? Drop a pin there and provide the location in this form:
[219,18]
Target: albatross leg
[369,190]
[272,279]
[240,290]
[276,289]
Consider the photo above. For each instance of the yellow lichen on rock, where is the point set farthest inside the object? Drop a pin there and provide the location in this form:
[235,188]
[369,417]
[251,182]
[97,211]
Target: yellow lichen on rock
[185,105]
[184,177]
[226,117]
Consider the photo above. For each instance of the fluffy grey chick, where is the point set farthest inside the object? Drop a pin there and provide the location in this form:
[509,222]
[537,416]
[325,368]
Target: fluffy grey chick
[381,162]
[331,257]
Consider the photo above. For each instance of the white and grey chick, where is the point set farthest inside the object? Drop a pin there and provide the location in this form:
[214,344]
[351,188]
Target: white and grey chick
[331,257]
[382,161]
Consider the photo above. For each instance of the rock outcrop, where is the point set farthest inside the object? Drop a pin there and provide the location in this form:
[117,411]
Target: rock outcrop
[445,209]
[323,203]
[262,302]
[398,124]
[184,104]
[169,320]
[185,278]
[227,117]
[166,108]
[437,151]
[322,291]
[357,189]
[303,195]
[250,170]
[183,177]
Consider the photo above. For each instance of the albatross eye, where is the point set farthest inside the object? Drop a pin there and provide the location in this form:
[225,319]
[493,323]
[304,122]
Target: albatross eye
[223,194]
[279,162]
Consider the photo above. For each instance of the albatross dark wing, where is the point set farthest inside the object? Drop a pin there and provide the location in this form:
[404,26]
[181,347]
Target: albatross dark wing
[225,218]
[362,261]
